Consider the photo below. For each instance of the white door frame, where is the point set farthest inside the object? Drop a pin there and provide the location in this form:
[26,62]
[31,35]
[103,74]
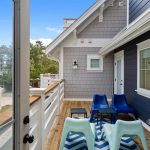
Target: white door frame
[21,72]
[119,56]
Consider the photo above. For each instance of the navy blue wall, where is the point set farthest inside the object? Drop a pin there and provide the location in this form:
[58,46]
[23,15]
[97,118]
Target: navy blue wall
[140,103]
[137,7]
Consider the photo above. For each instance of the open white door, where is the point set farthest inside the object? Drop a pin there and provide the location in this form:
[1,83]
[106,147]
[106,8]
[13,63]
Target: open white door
[21,73]
[14,73]
[119,73]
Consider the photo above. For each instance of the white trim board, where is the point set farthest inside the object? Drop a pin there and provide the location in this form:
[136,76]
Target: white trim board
[82,99]
[141,47]
[74,42]
[78,99]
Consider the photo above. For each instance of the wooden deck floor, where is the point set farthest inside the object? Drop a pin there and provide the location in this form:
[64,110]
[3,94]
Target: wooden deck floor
[5,114]
[53,140]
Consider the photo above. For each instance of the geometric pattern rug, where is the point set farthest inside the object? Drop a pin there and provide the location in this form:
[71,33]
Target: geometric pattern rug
[76,141]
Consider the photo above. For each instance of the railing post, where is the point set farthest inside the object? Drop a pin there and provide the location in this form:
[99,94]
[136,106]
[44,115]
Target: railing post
[58,99]
[49,108]
[40,92]
[42,119]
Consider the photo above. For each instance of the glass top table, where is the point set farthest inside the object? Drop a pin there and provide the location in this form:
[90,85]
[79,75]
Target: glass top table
[110,111]
[78,111]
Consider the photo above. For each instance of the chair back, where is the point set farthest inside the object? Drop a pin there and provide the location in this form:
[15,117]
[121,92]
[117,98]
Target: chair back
[128,127]
[119,101]
[76,125]
[100,101]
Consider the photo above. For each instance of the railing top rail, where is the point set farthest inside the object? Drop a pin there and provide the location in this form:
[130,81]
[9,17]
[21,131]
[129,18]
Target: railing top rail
[34,98]
[53,86]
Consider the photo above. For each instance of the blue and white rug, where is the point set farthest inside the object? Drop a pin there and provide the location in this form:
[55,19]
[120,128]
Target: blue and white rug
[78,142]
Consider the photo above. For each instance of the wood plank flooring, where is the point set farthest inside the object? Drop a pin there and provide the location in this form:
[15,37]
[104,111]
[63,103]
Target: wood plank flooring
[54,137]
[5,114]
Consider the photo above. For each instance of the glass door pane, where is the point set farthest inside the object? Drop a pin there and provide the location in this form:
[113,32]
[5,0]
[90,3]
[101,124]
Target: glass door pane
[119,76]
[6,74]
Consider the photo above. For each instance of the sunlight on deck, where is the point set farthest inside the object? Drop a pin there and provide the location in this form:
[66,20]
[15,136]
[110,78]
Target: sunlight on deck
[54,137]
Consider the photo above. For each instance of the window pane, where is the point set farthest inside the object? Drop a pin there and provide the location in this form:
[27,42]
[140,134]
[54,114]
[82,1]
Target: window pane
[145,69]
[142,79]
[95,63]
[6,62]
[147,79]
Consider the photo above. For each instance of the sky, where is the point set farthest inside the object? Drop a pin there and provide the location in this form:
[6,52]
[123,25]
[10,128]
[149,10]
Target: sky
[46,18]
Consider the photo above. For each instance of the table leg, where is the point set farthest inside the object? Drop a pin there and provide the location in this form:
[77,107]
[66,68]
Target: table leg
[71,115]
[84,115]
[97,117]
[101,121]
[113,118]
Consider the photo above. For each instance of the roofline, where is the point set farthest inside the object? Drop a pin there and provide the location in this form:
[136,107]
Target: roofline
[139,27]
[74,25]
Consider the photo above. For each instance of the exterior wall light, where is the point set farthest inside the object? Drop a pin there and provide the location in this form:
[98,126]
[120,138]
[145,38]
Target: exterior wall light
[75,64]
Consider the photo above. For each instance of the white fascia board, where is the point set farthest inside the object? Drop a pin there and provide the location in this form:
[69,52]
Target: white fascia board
[74,42]
[64,34]
[140,27]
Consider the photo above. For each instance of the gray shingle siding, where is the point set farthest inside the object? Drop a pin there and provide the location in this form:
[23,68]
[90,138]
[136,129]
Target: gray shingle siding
[82,84]
[114,20]
[137,7]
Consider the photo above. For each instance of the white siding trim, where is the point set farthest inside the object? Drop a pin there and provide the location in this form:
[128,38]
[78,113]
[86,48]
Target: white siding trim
[82,99]
[94,56]
[140,47]
[61,63]
[70,42]
[78,99]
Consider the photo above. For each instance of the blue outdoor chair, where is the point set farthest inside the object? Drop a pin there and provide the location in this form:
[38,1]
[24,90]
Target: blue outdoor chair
[119,103]
[99,101]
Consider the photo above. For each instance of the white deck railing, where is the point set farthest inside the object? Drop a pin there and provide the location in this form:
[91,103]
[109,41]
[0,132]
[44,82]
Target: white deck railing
[48,79]
[44,111]
[44,107]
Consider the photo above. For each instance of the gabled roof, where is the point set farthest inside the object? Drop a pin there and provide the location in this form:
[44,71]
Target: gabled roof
[78,22]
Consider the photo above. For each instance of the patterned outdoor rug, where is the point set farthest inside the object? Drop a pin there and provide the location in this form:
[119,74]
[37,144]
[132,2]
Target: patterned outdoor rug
[78,142]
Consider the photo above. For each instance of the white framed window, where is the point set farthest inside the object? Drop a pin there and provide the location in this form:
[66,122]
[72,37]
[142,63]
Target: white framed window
[143,68]
[94,62]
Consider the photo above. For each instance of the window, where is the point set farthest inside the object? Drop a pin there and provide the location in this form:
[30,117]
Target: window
[144,68]
[94,62]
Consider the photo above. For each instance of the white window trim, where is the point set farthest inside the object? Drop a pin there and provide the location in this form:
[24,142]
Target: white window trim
[140,47]
[94,56]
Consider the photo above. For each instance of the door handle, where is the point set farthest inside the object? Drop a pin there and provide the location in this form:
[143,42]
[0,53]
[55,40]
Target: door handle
[28,138]
[26,120]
